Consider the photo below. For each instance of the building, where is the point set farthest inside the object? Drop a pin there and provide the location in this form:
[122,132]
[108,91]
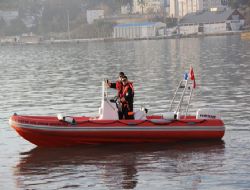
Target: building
[173,9]
[148,6]
[179,8]
[126,9]
[139,30]
[208,4]
[30,39]
[93,15]
[189,6]
[9,39]
[210,22]
[8,16]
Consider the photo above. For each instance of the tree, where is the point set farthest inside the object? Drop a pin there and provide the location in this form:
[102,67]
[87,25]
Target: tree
[142,4]
[16,27]
[236,3]
[2,26]
[105,28]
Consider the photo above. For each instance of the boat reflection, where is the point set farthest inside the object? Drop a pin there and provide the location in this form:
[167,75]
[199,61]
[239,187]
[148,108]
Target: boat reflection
[111,166]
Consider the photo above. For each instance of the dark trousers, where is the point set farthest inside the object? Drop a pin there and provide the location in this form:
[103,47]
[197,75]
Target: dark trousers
[125,111]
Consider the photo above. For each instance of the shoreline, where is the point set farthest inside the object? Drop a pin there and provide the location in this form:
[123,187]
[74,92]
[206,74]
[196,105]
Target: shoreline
[64,41]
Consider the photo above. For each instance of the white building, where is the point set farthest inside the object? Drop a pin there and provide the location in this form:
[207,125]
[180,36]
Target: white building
[139,30]
[209,22]
[179,8]
[93,15]
[173,9]
[30,39]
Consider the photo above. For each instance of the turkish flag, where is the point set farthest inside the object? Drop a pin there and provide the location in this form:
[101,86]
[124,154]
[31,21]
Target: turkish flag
[191,76]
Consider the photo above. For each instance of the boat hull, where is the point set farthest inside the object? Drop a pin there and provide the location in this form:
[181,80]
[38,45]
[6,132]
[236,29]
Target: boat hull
[49,132]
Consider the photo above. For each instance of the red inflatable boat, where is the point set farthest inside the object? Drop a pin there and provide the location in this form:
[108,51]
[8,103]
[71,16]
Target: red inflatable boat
[174,125]
[49,131]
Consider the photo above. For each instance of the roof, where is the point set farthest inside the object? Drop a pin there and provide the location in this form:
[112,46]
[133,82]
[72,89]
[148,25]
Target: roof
[139,24]
[209,17]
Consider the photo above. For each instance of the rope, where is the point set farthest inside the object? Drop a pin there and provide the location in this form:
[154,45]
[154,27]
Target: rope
[158,122]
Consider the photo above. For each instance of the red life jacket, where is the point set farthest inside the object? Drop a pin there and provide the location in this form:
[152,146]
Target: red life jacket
[125,89]
[124,92]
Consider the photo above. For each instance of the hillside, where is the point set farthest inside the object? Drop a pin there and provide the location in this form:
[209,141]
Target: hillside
[243,6]
[50,18]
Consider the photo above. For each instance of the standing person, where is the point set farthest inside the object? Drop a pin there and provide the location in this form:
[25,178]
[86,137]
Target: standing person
[117,85]
[127,98]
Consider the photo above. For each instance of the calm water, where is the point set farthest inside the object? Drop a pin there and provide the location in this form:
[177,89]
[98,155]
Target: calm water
[52,79]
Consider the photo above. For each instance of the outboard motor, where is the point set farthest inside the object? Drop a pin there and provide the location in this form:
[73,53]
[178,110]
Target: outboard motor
[141,114]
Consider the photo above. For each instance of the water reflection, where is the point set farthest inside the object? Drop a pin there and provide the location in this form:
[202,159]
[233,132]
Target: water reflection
[116,166]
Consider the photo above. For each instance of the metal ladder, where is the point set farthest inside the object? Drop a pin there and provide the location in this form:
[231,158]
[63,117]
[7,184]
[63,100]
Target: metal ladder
[182,97]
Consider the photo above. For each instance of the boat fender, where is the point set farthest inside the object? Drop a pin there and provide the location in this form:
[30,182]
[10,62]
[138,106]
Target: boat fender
[140,115]
[67,119]
[178,115]
[144,109]
[169,115]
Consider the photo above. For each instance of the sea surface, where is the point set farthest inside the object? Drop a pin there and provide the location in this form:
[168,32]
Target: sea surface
[47,79]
